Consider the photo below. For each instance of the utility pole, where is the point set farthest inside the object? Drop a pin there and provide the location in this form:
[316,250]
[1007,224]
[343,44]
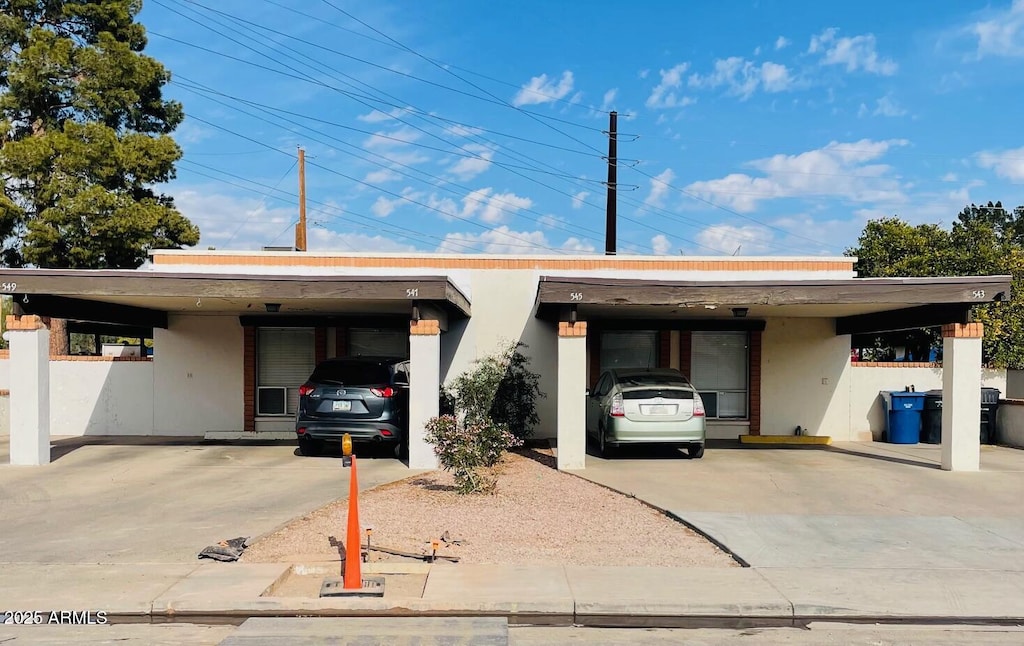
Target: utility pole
[609,234]
[300,228]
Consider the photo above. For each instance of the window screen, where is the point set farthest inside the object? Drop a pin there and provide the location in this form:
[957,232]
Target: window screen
[633,349]
[285,357]
[378,342]
[719,372]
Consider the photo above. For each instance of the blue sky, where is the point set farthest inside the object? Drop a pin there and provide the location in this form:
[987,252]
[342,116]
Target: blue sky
[757,126]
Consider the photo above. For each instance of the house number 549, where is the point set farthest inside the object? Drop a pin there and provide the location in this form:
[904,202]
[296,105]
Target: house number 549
[8,287]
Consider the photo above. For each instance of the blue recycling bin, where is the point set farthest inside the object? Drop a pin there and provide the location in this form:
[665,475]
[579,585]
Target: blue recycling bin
[903,417]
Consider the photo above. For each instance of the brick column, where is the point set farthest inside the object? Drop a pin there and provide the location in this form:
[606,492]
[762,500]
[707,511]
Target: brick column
[341,341]
[249,378]
[664,348]
[754,383]
[685,352]
[961,396]
[30,390]
[319,344]
[424,389]
[572,398]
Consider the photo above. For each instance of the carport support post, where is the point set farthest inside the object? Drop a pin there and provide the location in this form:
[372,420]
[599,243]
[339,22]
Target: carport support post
[30,390]
[424,389]
[961,396]
[572,400]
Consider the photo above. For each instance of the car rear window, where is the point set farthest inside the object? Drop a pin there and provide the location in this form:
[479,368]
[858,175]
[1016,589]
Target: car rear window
[353,373]
[653,380]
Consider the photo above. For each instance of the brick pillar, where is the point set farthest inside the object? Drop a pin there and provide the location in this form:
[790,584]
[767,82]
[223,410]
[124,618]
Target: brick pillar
[594,340]
[424,389]
[341,341]
[685,350]
[961,396]
[249,378]
[29,390]
[754,383]
[320,344]
[572,398]
[664,348]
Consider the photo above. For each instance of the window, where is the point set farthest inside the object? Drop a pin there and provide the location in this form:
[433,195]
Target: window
[285,357]
[378,342]
[719,370]
[633,349]
[603,386]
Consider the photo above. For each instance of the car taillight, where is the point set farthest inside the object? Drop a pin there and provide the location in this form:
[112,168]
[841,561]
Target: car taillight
[698,407]
[385,432]
[305,389]
[300,431]
[387,391]
[618,410]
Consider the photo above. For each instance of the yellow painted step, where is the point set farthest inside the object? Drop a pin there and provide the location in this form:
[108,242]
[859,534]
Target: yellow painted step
[785,439]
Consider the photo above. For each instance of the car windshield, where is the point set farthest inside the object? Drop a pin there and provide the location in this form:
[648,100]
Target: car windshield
[653,380]
[351,373]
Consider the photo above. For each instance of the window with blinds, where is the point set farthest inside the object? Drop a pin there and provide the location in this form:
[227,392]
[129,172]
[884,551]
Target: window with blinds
[285,357]
[378,342]
[719,368]
[629,349]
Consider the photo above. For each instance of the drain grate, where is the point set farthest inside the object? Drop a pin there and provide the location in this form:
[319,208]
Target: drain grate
[373,586]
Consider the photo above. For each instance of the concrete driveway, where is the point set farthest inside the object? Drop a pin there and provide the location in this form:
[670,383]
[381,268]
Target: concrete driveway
[856,505]
[161,500]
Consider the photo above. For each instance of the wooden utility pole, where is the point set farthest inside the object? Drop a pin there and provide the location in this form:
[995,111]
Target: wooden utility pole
[300,228]
[609,234]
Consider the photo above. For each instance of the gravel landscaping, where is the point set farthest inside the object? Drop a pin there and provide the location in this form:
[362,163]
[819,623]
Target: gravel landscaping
[535,515]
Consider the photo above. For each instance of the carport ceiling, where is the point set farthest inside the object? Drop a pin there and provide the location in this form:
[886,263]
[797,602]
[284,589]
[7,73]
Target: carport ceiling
[858,304]
[145,298]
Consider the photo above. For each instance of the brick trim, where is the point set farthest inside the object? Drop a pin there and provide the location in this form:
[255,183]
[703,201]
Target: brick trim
[963,330]
[5,393]
[664,348]
[75,357]
[685,352]
[340,341]
[895,364]
[25,322]
[754,383]
[5,354]
[249,379]
[424,327]
[319,344]
[572,329]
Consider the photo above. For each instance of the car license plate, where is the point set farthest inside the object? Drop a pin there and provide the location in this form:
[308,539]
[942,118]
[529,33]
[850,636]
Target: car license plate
[341,405]
[658,409]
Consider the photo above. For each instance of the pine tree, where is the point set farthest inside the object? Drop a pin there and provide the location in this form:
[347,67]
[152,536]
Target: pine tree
[84,136]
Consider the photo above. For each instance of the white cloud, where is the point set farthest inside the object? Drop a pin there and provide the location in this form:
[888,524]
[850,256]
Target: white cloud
[661,244]
[664,93]
[228,222]
[549,221]
[376,116]
[320,239]
[608,103]
[492,207]
[643,73]
[401,137]
[1003,35]
[743,77]
[472,202]
[839,170]
[506,240]
[659,188]
[856,53]
[782,42]
[469,167]
[863,110]
[580,199]
[457,130]
[729,239]
[889,107]
[1006,163]
[383,207]
[949,177]
[540,90]
[381,176]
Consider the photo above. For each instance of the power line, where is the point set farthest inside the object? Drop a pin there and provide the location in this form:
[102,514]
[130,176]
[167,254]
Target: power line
[262,202]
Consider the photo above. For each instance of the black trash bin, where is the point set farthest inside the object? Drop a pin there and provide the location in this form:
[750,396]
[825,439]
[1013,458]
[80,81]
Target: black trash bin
[989,408]
[931,423]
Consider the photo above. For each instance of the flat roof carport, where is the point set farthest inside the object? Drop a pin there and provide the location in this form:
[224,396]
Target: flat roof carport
[146,299]
[857,306]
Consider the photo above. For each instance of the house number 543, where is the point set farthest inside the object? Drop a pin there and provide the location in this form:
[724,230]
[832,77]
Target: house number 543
[978,294]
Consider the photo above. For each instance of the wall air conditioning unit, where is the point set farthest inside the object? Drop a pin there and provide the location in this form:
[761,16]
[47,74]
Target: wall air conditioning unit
[272,400]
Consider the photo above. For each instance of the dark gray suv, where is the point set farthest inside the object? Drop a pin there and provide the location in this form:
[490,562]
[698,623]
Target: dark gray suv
[366,397]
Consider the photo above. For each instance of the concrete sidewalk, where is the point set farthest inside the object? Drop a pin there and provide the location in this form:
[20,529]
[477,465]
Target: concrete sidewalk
[544,595]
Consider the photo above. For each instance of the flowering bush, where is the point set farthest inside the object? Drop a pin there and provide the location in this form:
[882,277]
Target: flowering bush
[465,449]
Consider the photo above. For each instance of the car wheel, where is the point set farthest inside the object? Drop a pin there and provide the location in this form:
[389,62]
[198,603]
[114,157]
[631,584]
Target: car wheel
[695,451]
[602,445]
[401,450]
[310,447]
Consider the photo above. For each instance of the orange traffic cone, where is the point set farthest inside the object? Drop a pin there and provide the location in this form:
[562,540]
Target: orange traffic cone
[353,550]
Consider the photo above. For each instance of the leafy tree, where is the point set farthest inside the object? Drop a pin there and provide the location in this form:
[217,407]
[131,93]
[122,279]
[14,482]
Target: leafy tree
[984,240]
[84,135]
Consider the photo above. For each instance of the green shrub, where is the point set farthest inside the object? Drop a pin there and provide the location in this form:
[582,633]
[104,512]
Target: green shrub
[466,450]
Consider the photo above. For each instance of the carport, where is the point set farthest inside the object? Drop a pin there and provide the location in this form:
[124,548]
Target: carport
[834,308]
[202,322]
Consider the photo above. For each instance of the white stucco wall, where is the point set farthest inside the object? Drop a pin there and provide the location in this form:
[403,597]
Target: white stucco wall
[101,397]
[5,373]
[1010,423]
[5,414]
[805,373]
[503,311]
[867,409]
[197,365]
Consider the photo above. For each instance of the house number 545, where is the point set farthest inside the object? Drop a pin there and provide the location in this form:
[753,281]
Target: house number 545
[576,296]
